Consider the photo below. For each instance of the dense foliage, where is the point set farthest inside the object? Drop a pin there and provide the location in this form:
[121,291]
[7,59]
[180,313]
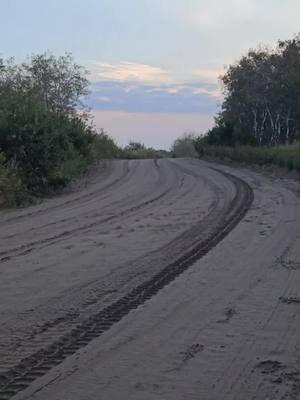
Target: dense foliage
[259,119]
[184,146]
[45,136]
[262,98]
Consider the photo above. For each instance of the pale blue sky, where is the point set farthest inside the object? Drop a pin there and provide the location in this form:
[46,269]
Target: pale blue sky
[160,57]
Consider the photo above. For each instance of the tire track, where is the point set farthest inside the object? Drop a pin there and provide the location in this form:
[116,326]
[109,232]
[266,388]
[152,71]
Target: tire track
[84,300]
[124,178]
[29,247]
[36,365]
[26,248]
[75,200]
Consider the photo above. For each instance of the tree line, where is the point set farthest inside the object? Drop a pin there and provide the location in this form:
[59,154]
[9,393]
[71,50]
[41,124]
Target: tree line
[261,98]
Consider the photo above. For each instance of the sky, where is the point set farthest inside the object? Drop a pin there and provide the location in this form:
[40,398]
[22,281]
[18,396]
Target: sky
[154,64]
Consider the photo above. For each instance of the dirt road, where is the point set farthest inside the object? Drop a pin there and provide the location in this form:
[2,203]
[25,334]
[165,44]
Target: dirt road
[164,279]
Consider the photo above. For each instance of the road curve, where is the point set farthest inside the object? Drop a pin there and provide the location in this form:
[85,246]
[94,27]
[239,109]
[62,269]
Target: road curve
[159,279]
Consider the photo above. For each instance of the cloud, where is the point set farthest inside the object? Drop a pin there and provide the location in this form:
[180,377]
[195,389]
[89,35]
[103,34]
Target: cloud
[135,87]
[193,98]
[130,72]
[172,89]
[216,93]
[204,88]
[133,75]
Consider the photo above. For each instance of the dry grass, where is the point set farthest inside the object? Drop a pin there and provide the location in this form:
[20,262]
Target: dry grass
[284,156]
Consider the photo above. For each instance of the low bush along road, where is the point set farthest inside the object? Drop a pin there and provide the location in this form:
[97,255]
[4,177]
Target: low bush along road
[157,279]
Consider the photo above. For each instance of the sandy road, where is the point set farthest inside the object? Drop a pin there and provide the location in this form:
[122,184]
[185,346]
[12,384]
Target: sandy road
[152,283]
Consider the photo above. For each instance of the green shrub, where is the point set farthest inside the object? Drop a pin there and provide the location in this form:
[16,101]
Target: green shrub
[11,188]
[103,146]
[42,133]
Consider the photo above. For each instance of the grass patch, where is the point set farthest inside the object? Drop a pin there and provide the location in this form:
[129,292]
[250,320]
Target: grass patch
[283,156]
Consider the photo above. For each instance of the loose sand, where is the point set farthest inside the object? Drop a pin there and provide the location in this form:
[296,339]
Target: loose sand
[226,328]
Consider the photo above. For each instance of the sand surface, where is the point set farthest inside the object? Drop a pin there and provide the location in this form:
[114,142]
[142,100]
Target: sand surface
[228,327]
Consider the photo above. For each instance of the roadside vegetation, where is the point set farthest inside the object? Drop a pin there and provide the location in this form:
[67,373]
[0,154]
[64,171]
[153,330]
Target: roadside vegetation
[259,119]
[136,150]
[47,137]
[184,146]
[286,156]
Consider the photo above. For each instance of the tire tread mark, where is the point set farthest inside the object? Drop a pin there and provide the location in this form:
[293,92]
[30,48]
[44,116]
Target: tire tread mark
[28,247]
[24,373]
[73,200]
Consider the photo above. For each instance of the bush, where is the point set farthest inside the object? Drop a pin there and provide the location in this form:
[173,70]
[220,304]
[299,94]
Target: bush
[184,146]
[42,133]
[103,146]
[10,185]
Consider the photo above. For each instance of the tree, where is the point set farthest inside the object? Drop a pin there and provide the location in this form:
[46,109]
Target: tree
[40,127]
[59,82]
[184,146]
[135,147]
[262,97]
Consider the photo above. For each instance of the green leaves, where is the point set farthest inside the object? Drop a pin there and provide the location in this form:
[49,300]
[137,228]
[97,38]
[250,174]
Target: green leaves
[262,98]
[40,127]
